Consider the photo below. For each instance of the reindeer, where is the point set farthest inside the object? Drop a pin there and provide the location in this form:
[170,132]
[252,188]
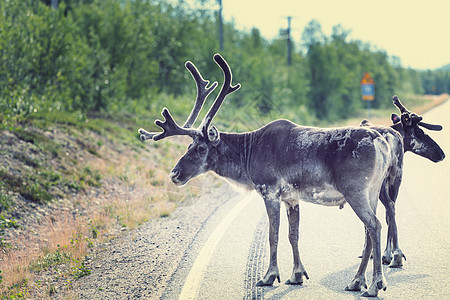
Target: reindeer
[285,162]
[403,136]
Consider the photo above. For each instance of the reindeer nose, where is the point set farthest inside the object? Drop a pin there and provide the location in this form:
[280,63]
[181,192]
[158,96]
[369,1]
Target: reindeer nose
[442,156]
[438,156]
[174,175]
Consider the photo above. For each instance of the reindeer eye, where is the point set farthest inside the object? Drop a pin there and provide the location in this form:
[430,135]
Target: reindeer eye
[201,148]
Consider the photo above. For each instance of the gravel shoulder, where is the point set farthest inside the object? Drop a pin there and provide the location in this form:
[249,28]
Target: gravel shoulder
[140,263]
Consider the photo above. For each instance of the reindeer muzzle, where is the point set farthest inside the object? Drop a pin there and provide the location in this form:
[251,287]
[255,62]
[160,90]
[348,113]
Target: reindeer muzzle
[175,177]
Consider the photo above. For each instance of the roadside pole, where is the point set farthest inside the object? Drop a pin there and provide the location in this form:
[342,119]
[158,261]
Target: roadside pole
[367,91]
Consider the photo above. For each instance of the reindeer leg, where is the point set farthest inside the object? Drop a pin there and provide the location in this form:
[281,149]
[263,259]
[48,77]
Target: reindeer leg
[360,277]
[387,202]
[367,215]
[397,261]
[273,211]
[293,213]
[378,281]
[386,258]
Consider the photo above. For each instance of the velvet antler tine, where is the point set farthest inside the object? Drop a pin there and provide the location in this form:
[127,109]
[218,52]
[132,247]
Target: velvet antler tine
[171,128]
[226,89]
[145,135]
[430,126]
[400,106]
[202,93]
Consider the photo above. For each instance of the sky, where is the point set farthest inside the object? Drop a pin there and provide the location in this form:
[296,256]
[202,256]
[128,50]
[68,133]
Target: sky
[417,31]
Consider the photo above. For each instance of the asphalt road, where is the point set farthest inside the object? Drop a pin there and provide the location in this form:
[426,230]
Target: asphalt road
[229,255]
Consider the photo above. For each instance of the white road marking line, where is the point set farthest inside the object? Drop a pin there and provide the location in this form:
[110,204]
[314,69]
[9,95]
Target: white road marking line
[195,276]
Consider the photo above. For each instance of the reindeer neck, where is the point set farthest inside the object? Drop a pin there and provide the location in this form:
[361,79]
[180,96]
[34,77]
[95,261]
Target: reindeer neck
[234,151]
[399,128]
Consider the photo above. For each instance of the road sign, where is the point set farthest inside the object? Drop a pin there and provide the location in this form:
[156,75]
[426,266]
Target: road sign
[366,79]
[367,87]
[368,92]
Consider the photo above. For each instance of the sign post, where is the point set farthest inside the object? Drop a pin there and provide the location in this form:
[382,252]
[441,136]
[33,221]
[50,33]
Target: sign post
[367,90]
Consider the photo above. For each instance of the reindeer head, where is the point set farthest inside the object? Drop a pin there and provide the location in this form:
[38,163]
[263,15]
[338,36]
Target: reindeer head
[415,140]
[198,158]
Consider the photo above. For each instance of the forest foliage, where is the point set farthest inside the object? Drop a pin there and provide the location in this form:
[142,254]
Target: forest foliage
[115,56]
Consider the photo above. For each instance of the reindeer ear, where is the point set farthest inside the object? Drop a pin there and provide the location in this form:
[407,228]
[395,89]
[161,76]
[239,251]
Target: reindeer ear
[365,123]
[395,118]
[213,135]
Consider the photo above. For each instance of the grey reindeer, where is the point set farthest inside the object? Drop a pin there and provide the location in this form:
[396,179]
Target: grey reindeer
[403,136]
[285,162]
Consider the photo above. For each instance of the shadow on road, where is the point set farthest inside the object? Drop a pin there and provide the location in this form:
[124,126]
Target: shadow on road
[394,277]
[334,281]
[284,291]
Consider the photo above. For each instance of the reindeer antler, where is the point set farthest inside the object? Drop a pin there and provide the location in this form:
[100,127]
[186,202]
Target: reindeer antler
[431,126]
[169,126]
[202,93]
[226,89]
[403,110]
[399,104]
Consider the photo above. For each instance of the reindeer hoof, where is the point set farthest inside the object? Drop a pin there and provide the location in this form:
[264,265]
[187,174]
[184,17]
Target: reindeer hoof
[374,293]
[397,262]
[297,278]
[379,284]
[386,259]
[356,284]
[269,281]
[295,282]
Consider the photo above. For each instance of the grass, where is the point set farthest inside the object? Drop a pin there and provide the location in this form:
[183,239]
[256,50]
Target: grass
[27,186]
[145,174]
[66,244]
[50,159]
[51,259]
[5,199]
